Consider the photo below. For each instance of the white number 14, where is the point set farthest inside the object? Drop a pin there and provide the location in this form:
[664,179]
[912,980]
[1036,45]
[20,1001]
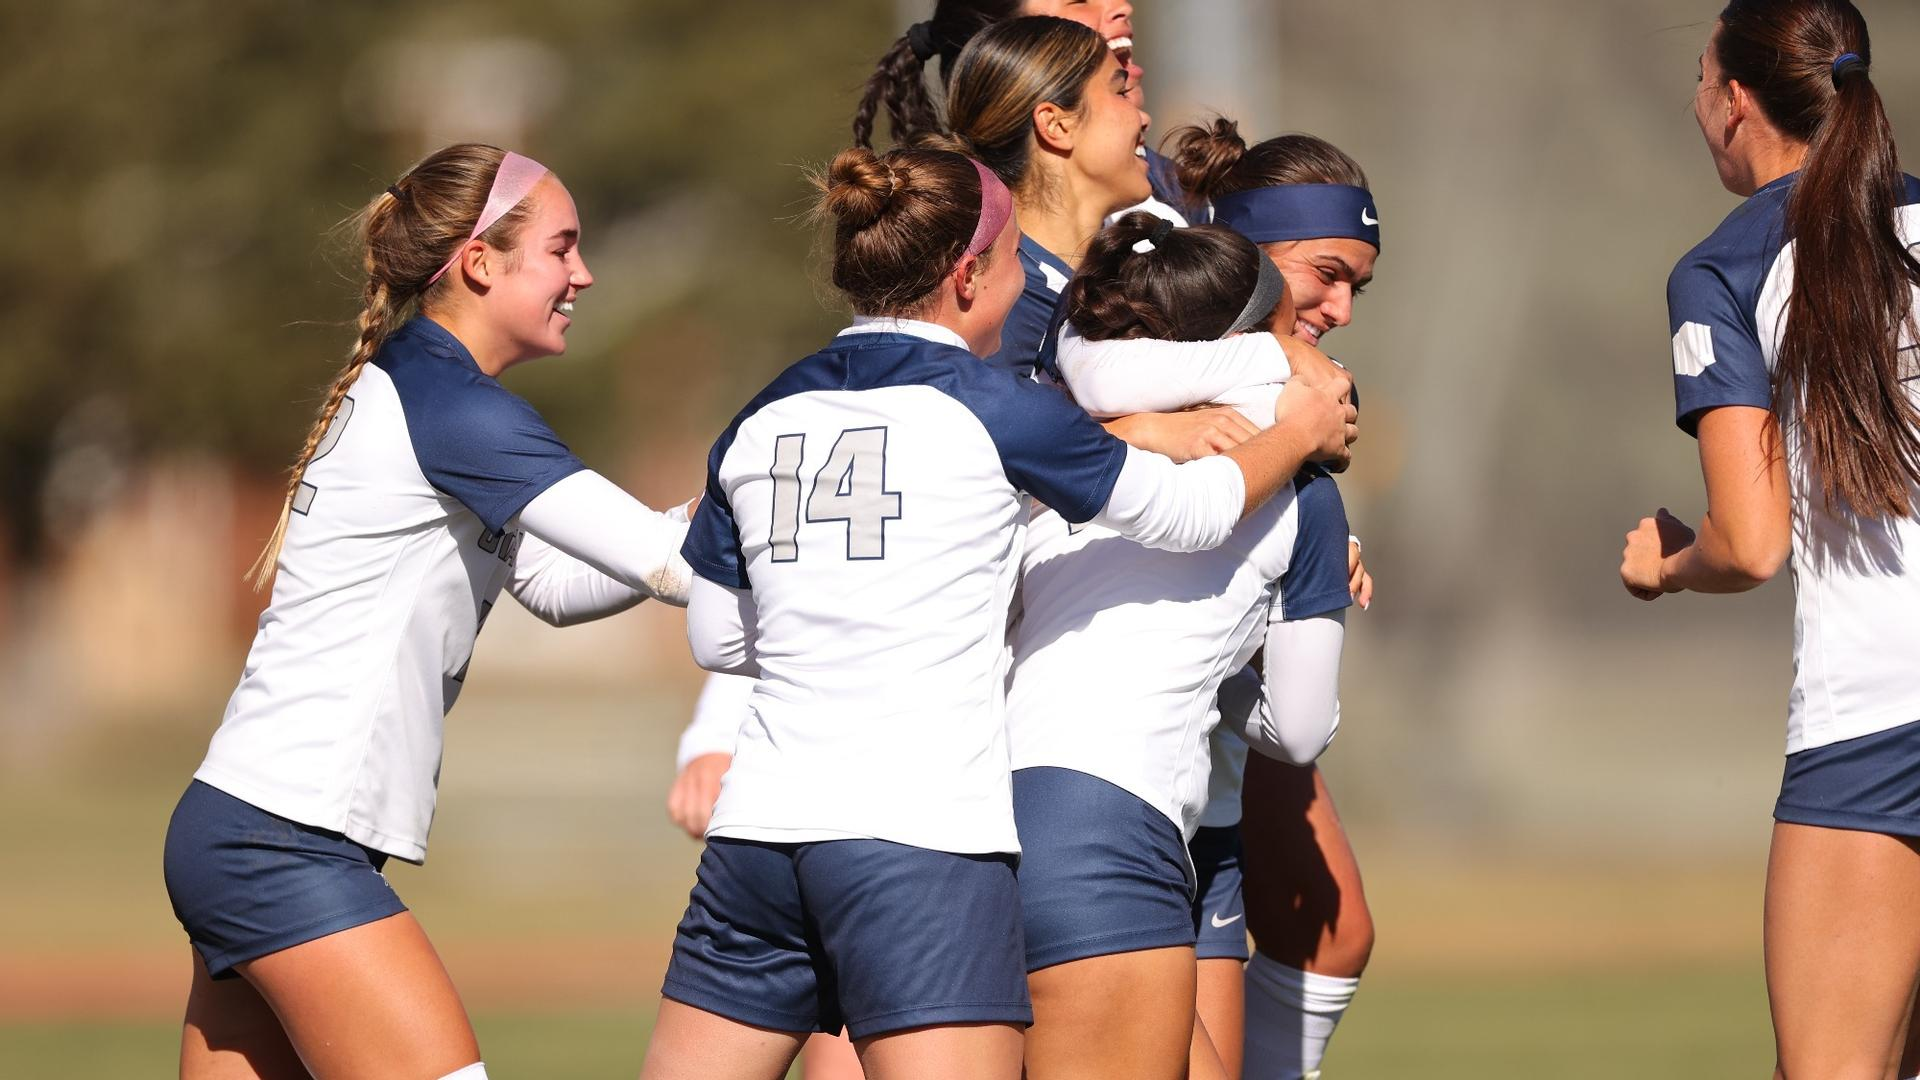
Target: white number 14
[850,487]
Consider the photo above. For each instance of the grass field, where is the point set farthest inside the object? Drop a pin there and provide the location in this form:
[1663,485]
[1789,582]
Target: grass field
[1691,1024]
[555,882]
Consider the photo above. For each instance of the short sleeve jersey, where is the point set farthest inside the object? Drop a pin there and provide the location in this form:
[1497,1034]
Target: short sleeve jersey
[400,539]
[871,499]
[1857,602]
[1032,317]
[1120,649]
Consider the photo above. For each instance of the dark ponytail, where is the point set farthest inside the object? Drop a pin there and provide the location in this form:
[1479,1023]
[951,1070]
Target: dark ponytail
[1189,287]
[899,83]
[1837,375]
[901,220]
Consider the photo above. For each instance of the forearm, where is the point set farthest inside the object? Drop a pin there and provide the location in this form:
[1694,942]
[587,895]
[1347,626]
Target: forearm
[716,718]
[1267,462]
[1190,507]
[1302,687]
[588,517]
[1714,563]
[563,590]
[1135,375]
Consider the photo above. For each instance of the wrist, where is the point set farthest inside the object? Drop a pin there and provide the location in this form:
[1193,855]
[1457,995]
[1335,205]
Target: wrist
[1672,571]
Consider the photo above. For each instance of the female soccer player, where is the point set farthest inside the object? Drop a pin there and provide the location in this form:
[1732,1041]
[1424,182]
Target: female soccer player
[423,488]
[854,550]
[1111,758]
[1306,204]
[1793,360]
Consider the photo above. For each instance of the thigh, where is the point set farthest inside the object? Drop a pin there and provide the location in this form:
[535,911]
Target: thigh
[945,1052]
[1222,1003]
[915,937]
[1842,949]
[1306,906]
[371,1001]
[829,1057]
[1127,1014]
[231,1033]
[689,1043]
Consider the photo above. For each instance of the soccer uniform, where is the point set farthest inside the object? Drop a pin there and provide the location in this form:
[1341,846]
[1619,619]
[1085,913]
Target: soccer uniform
[1853,716]
[1119,657]
[1032,317]
[858,548]
[404,529]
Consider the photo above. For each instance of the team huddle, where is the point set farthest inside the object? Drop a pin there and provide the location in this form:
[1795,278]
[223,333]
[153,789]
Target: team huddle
[1024,596]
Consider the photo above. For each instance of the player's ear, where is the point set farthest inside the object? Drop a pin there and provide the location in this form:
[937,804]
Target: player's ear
[1054,126]
[964,278]
[477,260]
[1740,106]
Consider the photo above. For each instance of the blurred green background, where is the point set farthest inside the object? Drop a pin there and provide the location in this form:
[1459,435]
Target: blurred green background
[1560,796]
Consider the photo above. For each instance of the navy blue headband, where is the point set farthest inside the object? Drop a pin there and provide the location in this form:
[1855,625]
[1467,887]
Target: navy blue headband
[1300,212]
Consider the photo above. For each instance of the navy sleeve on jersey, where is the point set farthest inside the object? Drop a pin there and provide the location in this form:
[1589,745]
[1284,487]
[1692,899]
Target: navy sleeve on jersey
[1049,448]
[1026,327]
[1716,348]
[1316,579]
[712,547]
[478,441]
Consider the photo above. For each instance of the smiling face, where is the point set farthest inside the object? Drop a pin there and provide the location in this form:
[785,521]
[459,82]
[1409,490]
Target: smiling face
[1323,279]
[531,302]
[1110,147]
[1111,19]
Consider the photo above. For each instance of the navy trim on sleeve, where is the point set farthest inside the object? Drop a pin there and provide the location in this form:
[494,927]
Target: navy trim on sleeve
[1025,332]
[1316,579]
[474,439]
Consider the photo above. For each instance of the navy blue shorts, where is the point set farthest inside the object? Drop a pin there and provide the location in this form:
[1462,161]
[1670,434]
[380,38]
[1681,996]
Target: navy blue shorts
[245,883]
[1869,784]
[872,936]
[1101,871]
[1219,905]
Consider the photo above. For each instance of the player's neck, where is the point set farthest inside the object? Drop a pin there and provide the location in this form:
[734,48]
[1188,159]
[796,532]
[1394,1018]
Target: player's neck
[1768,160]
[1063,219]
[490,351]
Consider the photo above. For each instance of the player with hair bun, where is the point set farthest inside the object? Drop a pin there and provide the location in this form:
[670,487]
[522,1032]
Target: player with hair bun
[1794,366]
[1119,656]
[856,551]
[423,489]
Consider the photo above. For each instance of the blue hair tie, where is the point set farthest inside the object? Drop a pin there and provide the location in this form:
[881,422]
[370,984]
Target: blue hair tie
[1845,63]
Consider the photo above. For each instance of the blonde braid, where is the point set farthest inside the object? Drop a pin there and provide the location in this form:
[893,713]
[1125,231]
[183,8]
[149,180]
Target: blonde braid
[379,318]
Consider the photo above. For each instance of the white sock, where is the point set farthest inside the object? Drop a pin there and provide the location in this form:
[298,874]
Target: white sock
[475,1071]
[1290,1016]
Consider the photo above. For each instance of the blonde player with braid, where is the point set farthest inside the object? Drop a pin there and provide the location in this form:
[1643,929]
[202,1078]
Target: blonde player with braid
[424,488]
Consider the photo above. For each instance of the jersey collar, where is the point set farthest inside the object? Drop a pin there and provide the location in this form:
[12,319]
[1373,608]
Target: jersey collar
[887,324]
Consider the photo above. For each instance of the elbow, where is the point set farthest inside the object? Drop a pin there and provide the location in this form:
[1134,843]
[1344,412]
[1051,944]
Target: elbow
[1755,562]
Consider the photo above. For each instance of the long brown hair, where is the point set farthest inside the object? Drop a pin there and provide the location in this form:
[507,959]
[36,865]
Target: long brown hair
[1213,160]
[1004,73]
[1837,375]
[901,220]
[405,234]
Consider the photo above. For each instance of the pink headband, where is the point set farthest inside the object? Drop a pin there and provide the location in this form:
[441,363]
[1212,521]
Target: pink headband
[996,205]
[515,178]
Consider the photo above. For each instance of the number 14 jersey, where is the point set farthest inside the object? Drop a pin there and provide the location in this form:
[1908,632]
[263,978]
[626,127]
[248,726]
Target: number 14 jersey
[873,501]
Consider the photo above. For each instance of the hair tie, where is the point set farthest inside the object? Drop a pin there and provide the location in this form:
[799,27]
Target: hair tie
[1161,230]
[1844,64]
[920,40]
[394,190]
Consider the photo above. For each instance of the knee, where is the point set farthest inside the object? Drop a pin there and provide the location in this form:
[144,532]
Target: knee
[1347,949]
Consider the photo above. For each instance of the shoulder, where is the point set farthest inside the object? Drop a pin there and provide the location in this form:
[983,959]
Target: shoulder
[440,387]
[1737,256]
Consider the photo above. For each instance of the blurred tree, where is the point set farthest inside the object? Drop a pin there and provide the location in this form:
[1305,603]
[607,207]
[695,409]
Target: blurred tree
[176,169]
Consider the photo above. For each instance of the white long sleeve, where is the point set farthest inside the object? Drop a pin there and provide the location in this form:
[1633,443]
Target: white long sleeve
[1188,507]
[720,628]
[563,590]
[1295,712]
[716,718]
[592,519]
[1130,375]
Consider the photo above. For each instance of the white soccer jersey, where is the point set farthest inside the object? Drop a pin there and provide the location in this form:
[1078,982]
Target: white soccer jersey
[1856,639]
[399,542]
[871,503]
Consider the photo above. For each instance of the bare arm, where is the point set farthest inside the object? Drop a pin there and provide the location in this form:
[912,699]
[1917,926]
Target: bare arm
[1746,535]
